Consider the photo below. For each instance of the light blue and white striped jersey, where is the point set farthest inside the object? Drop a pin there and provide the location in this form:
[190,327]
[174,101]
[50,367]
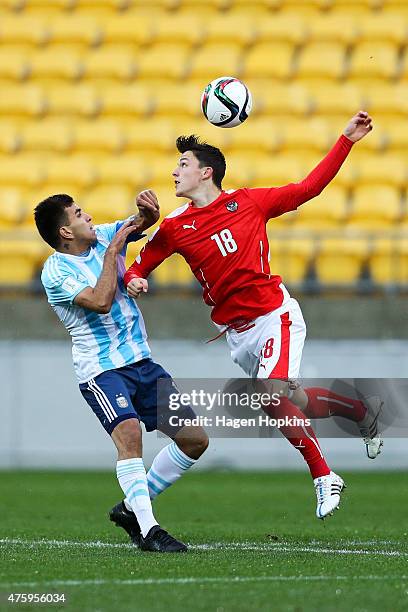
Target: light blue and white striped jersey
[100,342]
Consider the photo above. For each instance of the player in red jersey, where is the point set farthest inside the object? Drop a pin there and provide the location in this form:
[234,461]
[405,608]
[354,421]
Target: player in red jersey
[222,236]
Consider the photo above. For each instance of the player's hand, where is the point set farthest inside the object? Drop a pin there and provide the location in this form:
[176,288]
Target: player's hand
[119,240]
[136,287]
[149,210]
[359,126]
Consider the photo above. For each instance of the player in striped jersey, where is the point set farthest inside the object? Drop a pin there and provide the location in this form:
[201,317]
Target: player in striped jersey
[83,280]
[222,235]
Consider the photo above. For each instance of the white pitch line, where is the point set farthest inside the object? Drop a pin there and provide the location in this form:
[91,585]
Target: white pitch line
[193,580]
[277,547]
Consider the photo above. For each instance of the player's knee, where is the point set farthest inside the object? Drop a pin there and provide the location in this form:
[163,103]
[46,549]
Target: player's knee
[192,441]
[128,438]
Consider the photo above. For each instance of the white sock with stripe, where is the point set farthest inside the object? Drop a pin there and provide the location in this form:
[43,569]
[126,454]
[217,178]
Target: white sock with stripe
[132,478]
[167,467]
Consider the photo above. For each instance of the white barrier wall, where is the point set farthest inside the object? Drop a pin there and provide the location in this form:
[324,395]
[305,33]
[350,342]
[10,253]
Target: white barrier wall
[46,423]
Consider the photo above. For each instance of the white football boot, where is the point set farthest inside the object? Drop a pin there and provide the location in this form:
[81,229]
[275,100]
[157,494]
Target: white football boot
[328,490]
[368,426]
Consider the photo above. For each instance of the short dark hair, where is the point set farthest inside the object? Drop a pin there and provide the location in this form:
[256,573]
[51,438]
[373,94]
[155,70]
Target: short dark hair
[206,154]
[50,216]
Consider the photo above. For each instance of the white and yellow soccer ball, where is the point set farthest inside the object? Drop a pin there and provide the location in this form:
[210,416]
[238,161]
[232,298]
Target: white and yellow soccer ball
[226,102]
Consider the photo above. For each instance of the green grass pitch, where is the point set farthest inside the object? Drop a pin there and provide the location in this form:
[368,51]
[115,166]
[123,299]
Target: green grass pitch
[255,544]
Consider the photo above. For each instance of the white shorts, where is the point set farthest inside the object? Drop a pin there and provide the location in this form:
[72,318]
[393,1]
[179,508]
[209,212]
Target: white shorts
[271,345]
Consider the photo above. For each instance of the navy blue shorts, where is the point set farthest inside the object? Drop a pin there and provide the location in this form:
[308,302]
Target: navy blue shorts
[131,392]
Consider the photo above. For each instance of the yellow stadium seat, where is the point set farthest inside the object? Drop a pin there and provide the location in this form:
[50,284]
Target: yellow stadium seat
[108,204]
[322,60]
[339,261]
[269,60]
[11,207]
[272,98]
[355,6]
[334,27]
[125,100]
[21,170]
[47,135]
[206,61]
[23,29]
[304,6]
[202,4]
[289,28]
[395,6]
[168,201]
[72,100]
[180,29]
[129,171]
[383,169]
[389,261]
[374,60]
[19,260]
[76,170]
[230,28]
[274,171]
[25,100]
[157,4]
[148,136]
[103,135]
[300,135]
[48,7]
[346,177]
[56,62]
[239,172]
[388,27]
[163,61]
[397,139]
[327,211]
[174,272]
[291,258]
[11,5]
[389,99]
[171,99]
[376,207]
[10,139]
[14,63]
[125,28]
[334,98]
[75,30]
[256,135]
[211,134]
[261,6]
[160,168]
[111,62]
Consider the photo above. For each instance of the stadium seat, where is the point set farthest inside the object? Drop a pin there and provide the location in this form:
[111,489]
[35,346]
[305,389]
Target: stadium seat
[355,6]
[333,27]
[26,100]
[205,130]
[19,259]
[206,61]
[173,272]
[290,258]
[163,61]
[47,7]
[287,28]
[397,139]
[230,29]
[384,27]
[11,207]
[125,101]
[269,60]
[179,100]
[389,261]
[111,62]
[322,60]
[339,261]
[180,29]
[124,28]
[106,8]
[10,139]
[390,99]
[199,5]
[47,135]
[71,100]
[56,62]
[76,30]
[376,207]
[395,6]
[346,177]
[147,136]
[23,29]
[305,7]
[374,60]
[96,136]
[300,135]
[12,5]
[326,212]
[330,98]
[167,199]
[160,168]
[385,169]
[274,171]
[14,63]
[255,136]
[130,171]
[76,170]
[261,6]
[278,99]
[21,170]
[110,203]
[240,172]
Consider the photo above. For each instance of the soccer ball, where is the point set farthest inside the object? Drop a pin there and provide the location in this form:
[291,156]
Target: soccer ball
[226,102]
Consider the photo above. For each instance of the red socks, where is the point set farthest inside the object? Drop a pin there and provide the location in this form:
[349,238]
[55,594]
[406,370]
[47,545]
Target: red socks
[300,436]
[324,403]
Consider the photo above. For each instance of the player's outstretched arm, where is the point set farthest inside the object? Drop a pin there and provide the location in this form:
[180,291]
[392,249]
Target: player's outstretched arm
[149,210]
[359,126]
[99,298]
[156,250]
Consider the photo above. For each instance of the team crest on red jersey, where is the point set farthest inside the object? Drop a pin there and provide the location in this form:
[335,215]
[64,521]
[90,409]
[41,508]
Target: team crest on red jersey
[232,206]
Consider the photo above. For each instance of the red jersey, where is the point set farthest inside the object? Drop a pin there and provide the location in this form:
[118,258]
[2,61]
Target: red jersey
[226,245]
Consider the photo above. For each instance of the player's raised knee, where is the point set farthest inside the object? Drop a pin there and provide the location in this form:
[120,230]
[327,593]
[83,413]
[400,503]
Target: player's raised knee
[193,441]
[127,436]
